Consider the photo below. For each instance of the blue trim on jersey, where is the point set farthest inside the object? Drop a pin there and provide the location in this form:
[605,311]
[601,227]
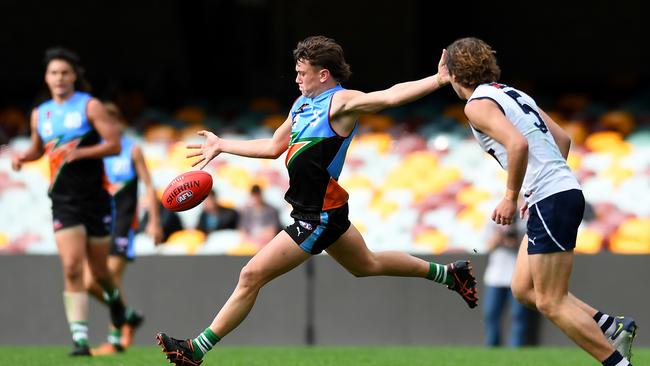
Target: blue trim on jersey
[65,121]
[492,99]
[120,168]
[336,165]
[308,244]
[130,249]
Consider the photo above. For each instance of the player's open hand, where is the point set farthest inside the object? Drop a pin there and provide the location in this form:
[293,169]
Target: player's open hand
[504,212]
[207,151]
[443,72]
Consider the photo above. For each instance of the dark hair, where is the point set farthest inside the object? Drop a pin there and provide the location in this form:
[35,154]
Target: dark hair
[60,53]
[325,53]
[472,62]
[256,189]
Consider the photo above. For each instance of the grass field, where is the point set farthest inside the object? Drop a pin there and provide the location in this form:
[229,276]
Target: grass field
[321,356]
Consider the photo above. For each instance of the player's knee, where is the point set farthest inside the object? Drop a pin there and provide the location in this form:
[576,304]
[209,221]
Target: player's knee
[250,277]
[520,293]
[524,294]
[365,269]
[548,307]
[73,272]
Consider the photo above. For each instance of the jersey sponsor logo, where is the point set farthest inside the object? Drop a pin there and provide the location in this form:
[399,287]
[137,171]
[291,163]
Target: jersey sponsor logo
[306,225]
[72,120]
[296,116]
[301,108]
[47,125]
[185,195]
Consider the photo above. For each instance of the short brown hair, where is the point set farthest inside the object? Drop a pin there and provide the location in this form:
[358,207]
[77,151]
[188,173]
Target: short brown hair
[325,53]
[472,62]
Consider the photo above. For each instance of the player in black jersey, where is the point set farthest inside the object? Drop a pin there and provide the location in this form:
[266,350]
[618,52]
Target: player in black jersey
[69,129]
[316,135]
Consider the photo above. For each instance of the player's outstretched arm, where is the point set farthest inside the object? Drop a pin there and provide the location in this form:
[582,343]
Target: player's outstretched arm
[357,102]
[261,148]
[35,150]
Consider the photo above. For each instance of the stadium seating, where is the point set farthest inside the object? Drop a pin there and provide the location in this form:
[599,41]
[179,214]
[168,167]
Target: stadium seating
[426,189]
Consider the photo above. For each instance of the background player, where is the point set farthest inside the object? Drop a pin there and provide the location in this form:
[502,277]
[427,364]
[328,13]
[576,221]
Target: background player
[74,130]
[123,172]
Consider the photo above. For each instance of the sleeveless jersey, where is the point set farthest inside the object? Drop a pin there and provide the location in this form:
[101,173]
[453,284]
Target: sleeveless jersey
[315,158]
[547,172]
[123,181]
[62,128]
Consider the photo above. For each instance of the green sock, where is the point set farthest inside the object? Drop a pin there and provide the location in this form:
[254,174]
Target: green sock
[438,273]
[129,314]
[79,332]
[114,336]
[204,342]
[111,295]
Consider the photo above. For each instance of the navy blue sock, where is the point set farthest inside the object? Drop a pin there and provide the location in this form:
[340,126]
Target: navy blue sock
[598,316]
[614,359]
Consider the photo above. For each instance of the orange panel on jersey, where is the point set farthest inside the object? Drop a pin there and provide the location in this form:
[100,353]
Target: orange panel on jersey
[293,149]
[335,196]
[58,155]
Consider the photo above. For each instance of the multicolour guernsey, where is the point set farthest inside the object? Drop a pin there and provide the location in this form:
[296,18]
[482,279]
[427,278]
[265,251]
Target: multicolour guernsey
[315,158]
[63,128]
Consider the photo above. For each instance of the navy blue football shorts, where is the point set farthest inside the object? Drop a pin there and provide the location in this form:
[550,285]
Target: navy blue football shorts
[314,236]
[553,222]
[122,239]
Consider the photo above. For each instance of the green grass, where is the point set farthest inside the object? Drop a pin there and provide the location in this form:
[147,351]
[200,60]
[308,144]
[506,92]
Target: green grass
[321,356]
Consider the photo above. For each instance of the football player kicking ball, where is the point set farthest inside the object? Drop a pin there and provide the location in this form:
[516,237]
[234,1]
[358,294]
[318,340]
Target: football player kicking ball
[533,149]
[316,133]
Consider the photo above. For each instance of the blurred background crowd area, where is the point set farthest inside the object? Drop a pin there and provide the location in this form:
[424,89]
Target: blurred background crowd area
[417,180]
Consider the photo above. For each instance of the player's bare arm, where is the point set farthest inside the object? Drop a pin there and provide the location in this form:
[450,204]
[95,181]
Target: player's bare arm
[214,145]
[154,230]
[354,103]
[107,129]
[488,118]
[562,139]
[35,150]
